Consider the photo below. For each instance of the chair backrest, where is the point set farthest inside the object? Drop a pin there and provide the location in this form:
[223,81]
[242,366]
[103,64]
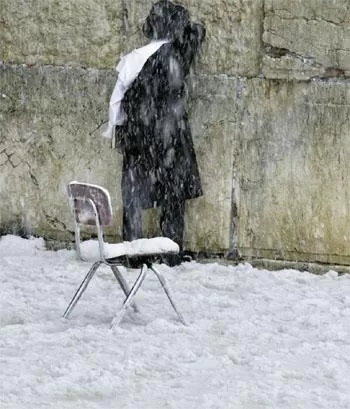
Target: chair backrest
[84,197]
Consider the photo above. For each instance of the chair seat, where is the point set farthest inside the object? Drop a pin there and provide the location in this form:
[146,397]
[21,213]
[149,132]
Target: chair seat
[158,245]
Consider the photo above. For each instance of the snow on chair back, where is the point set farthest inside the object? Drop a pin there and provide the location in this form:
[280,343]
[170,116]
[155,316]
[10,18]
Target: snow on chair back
[84,197]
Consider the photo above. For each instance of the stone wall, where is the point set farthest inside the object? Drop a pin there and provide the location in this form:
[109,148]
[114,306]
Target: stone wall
[269,101]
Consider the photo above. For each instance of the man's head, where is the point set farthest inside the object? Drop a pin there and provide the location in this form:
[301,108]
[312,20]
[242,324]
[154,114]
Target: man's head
[166,21]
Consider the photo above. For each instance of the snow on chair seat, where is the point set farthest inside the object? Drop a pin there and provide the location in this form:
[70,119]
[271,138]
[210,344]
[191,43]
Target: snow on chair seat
[91,205]
[142,247]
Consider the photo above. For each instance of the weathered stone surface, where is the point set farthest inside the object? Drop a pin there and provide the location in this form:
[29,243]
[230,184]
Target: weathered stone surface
[233,35]
[214,114]
[81,32]
[213,110]
[93,33]
[304,39]
[294,171]
[49,136]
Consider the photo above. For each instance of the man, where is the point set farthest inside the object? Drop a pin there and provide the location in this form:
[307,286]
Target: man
[159,161]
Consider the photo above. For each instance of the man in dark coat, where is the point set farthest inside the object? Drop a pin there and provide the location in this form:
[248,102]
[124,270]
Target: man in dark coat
[160,166]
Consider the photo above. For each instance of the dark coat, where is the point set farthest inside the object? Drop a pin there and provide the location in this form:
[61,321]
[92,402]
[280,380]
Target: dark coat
[158,152]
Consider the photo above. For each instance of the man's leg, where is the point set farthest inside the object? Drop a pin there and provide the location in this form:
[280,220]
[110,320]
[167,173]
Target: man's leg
[132,220]
[172,224]
[132,210]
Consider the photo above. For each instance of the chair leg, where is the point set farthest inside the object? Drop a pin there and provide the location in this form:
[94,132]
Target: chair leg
[117,320]
[81,289]
[168,293]
[123,284]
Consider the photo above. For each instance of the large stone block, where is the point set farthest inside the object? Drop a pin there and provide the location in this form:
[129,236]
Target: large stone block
[92,33]
[305,39]
[48,136]
[213,111]
[50,122]
[213,116]
[233,43]
[81,32]
[294,171]
[233,33]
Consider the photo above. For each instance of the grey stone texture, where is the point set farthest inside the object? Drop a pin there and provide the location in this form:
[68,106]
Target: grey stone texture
[94,33]
[269,106]
[294,171]
[84,33]
[48,136]
[305,39]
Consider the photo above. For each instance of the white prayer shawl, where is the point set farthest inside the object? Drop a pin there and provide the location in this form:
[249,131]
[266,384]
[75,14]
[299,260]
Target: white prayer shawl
[129,68]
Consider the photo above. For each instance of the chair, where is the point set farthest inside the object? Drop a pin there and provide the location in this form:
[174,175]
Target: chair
[91,205]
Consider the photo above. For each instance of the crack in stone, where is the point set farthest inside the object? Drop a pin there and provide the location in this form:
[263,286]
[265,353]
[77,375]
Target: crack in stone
[262,29]
[327,72]
[10,159]
[34,180]
[126,16]
[220,76]
[334,72]
[275,52]
[98,127]
[53,221]
[279,52]
[306,19]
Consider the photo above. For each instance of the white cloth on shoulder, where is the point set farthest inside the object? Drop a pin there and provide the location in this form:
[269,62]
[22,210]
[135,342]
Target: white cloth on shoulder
[129,68]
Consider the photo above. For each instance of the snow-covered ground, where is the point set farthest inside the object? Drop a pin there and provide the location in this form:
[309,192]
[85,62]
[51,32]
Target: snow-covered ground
[256,339]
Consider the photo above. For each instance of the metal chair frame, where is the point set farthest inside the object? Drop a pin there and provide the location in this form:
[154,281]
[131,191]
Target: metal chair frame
[113,263]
